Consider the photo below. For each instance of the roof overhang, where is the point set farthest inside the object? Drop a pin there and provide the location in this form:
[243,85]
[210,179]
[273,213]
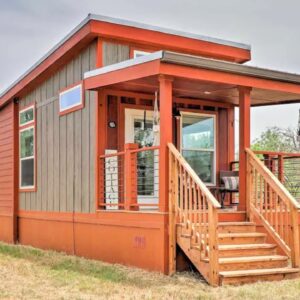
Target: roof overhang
[198,77]
[136,33]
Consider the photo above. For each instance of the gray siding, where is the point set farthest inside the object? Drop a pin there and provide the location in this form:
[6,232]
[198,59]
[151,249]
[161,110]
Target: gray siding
[65,144]
[114,53]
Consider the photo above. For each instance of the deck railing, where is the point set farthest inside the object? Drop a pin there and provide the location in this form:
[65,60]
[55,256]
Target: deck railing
[269,201]
[286,167]
[128,180]
[192,205]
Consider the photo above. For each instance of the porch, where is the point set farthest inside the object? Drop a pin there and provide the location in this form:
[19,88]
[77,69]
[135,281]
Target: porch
[173,177]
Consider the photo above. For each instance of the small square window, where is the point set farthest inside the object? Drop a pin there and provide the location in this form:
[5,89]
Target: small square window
[71,99]
[26,116]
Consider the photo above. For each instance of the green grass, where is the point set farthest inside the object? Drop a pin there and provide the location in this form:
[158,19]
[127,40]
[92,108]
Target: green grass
[29,273]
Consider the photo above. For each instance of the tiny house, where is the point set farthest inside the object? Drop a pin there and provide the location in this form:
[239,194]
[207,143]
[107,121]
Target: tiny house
[113,146]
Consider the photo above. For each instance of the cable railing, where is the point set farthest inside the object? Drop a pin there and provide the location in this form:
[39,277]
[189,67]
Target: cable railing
[286,167]
[129,180]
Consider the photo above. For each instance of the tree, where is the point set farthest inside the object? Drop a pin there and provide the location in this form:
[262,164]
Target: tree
[283,140]
[277,139]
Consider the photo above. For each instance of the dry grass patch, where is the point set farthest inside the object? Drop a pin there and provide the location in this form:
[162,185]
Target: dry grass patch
[28,273]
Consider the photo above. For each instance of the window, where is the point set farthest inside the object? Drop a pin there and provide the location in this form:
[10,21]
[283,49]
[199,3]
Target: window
[71,99]
[138,53]
[198,144]
[27,148]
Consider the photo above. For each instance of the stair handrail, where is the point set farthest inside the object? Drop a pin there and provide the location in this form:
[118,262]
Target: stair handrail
[193,205]
[269,201]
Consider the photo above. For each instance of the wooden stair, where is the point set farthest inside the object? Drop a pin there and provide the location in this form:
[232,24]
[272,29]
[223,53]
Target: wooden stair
[244,255]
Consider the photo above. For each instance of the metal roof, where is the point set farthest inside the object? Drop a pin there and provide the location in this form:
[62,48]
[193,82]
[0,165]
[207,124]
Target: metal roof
[126,23]
[200,62]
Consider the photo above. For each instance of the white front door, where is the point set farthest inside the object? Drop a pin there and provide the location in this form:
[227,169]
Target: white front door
[139,130]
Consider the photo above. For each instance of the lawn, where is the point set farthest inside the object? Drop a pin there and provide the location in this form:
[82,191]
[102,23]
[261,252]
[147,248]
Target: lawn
[29,273]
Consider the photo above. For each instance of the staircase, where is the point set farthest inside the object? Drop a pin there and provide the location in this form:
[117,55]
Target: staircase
[233,252]
[244,255]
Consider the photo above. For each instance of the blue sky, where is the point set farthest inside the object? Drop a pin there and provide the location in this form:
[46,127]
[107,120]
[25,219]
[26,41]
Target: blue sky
[29,28]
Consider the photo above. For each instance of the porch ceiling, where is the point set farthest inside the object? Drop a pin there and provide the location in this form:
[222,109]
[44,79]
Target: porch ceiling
[199,78]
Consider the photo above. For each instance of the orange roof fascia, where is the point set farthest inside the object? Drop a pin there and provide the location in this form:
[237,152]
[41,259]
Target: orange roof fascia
[172,42]
[227,78]
[122,75]
[79,39]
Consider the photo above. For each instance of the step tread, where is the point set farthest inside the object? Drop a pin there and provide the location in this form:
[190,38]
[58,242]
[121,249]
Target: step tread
[247,259]
[236,223]
[233,234]
[246,246]
[241,234]
[257,272]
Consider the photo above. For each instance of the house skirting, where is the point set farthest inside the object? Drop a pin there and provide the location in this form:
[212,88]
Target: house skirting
[134,239]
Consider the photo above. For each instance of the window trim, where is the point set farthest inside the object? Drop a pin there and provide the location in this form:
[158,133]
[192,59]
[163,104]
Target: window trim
[30,106]
[23,127]
[214,150]
[74,107]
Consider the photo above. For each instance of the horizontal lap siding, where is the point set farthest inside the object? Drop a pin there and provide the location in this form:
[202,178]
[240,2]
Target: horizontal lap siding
[65,144]
[6,159]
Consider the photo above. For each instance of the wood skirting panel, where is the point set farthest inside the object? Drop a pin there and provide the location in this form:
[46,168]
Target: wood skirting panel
[133,239]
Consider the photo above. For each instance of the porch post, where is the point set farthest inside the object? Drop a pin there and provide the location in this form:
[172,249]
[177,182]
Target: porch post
[165,102]
[244,141]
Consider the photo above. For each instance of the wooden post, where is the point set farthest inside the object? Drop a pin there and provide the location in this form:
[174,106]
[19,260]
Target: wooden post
[165,103]
[130,176]
[281,169]
[295,244]
[172,215]
[244,142]
[249,181]
[213,246]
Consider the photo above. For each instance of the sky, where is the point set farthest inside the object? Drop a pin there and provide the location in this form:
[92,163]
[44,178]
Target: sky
[29,28]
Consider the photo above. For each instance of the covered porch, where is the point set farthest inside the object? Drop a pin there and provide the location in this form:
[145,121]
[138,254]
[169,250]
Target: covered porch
[194,93]
[171,170]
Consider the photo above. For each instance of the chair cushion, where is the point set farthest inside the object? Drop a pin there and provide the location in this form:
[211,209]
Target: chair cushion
[231,182]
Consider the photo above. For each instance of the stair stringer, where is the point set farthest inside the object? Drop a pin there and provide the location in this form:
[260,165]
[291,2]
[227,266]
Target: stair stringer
[193,254]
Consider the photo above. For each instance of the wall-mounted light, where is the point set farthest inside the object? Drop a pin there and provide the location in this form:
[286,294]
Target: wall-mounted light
[207,92]
[112,124]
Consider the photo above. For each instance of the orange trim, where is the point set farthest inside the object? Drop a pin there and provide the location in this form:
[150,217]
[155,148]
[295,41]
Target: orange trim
[73,45]
[122,33]
[21,128]
[150,38]
[77,107]
[244,142]
[156,67]
[227,78]
[122,75]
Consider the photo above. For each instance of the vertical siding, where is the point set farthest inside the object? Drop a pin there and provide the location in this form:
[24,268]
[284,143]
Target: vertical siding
[114,53]
[65,144]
